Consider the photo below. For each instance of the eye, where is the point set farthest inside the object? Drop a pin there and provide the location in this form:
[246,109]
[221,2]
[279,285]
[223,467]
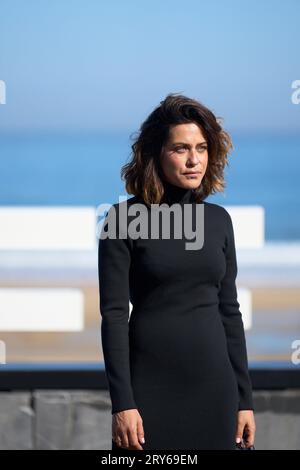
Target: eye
[202,149]
[180,149]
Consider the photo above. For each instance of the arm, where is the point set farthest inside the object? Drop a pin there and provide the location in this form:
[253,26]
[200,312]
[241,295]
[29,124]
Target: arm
[114,259]
[233,323]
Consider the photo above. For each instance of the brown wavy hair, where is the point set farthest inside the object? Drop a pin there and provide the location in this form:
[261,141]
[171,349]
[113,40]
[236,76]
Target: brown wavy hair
[143,173]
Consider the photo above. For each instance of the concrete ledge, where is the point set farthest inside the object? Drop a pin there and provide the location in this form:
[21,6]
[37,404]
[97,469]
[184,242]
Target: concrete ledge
[16,421]
[81,419]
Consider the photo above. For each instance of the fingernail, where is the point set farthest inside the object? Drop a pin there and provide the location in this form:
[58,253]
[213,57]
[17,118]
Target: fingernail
[143,440]
[238,440]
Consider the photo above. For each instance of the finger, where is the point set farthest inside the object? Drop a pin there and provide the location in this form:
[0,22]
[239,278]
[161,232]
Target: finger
[124,441]
[133,440]
[249,438]
[118,441]
[239,432]
[140,432]
[136,447]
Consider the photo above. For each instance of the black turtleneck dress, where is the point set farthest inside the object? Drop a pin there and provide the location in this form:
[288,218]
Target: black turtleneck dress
[180,356]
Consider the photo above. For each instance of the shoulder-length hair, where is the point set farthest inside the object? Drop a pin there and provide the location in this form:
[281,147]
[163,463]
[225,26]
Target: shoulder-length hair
[143,173]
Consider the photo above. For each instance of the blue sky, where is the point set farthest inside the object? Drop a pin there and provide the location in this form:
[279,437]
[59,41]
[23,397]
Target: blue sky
[73,65]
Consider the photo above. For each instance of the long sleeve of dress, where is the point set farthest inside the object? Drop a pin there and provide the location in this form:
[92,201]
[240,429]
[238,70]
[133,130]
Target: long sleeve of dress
[114,258]
[233,324]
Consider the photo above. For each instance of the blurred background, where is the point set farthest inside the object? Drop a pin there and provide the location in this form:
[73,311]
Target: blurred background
[76,81]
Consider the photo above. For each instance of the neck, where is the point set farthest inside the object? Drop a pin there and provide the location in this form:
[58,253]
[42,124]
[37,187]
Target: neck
[176,194]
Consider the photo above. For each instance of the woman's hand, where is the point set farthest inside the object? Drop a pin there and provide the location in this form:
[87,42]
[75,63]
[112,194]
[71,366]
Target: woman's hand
[245,427]
[127,429]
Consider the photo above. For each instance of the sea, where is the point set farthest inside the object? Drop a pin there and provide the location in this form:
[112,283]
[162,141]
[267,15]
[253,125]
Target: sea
[84,169]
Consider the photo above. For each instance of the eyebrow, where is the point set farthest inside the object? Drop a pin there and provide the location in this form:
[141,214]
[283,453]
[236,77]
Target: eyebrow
[185,143]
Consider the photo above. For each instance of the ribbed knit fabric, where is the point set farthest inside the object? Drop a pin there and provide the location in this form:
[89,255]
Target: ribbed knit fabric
[181,357]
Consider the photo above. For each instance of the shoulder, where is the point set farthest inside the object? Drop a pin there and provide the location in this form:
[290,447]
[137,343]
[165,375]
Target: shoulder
[217,211]
[126,203]
[118,218]
[128,209]
[119,207]
[219,218]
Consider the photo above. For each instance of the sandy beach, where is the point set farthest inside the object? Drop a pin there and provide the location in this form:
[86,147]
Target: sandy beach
[276,323]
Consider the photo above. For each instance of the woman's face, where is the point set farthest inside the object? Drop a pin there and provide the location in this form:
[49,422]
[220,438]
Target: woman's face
[185,152]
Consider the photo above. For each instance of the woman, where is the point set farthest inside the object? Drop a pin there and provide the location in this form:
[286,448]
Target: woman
[177,370]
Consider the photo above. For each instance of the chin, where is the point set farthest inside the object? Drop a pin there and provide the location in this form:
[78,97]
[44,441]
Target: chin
[193,183]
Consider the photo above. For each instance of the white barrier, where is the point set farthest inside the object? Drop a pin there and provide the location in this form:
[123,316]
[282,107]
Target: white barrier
[249,232]
[74,228]
[41,309]
[47,228]
[244,296]
[2,352]
[249,225]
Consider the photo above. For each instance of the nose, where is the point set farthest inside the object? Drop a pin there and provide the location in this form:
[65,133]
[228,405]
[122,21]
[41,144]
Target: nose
[193,157]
